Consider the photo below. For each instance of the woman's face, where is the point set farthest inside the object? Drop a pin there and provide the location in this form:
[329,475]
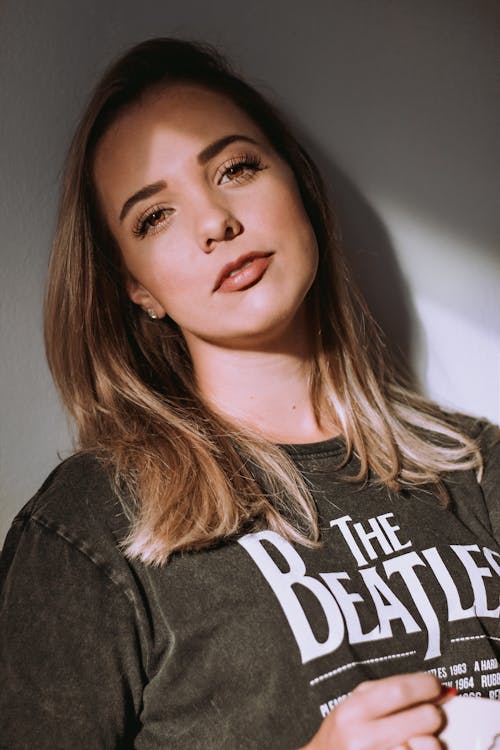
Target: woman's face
[208,217]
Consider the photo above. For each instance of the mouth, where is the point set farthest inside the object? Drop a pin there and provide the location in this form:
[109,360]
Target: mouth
[242,273]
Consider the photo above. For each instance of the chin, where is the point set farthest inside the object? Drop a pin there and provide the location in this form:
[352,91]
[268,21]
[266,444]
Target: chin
[265,333]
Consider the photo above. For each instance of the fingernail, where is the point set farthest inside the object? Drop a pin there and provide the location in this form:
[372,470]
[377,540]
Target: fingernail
[448,692]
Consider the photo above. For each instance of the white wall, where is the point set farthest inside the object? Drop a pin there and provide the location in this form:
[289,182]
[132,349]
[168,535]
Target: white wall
[399,103]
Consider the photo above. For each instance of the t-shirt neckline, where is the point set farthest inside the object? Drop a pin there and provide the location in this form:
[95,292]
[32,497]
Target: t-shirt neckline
[330,446]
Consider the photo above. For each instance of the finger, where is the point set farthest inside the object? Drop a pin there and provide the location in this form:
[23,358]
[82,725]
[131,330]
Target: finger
[409,725]
[447,693]
[421,743]
[424,743]
[415,726]
[377,698]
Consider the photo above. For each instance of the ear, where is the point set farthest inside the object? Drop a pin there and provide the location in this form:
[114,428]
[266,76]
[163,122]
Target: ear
[141,297]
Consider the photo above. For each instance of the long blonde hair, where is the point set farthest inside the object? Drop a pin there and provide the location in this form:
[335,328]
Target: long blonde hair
[128,381]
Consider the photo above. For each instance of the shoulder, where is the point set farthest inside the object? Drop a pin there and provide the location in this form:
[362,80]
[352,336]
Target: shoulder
[81,473]
[488,438]
[80,485]
[77,507]
[485,434]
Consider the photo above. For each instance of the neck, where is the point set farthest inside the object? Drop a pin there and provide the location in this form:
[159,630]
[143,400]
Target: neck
[267,391]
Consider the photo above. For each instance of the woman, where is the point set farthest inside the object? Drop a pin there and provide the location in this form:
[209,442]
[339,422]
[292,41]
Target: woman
[262,523]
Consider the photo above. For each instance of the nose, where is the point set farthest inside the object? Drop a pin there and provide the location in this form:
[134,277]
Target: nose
[216,223]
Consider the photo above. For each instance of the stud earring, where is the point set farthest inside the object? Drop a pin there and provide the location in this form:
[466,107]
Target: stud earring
[152,314]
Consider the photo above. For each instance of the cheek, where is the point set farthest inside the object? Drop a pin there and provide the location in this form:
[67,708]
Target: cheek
[169,286]
[296,226]
[155,266]
[288,209]
[174,288]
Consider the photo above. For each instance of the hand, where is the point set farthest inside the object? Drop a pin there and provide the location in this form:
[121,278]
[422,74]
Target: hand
[395,713]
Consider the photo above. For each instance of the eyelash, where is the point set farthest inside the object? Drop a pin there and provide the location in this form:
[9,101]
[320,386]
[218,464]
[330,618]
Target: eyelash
[250,162]
[141,227]
[247,161]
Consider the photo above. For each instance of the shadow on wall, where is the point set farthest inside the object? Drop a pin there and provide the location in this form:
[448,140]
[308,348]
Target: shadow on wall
[374,265]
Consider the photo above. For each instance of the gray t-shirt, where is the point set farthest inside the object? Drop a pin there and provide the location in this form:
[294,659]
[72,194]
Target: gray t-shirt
[249,644]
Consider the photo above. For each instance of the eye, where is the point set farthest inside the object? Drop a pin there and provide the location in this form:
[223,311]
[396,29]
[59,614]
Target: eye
[240,169]
[151,221]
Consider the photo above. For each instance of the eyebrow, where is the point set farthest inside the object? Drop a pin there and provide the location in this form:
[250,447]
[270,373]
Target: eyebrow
[141,195]
[219,145]
[203,157]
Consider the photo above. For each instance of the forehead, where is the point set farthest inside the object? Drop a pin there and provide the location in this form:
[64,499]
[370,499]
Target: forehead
[181,102]
[170,121]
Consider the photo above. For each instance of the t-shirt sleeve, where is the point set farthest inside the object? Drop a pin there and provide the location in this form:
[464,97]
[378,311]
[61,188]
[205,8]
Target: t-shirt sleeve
[71,674]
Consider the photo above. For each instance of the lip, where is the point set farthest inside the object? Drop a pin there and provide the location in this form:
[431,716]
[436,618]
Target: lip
[247,279]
